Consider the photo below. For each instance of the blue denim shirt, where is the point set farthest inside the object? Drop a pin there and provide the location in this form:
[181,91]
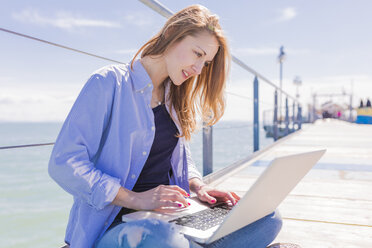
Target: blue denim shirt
[104,144]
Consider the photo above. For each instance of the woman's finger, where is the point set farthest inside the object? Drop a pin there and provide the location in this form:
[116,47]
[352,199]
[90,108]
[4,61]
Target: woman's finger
[224,195]
[210,195]
[235,196]
[166,192]
[204,196]
[176,196]
[177,188]
[210,199]
[231,198]
[169,204]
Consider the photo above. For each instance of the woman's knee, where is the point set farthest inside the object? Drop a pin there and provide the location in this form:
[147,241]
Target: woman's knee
[257,234]
[143,233]
[274,222]
[275,219]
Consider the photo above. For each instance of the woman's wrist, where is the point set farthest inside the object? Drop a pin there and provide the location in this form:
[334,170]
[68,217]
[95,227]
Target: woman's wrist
[196,184]
[125,198]
[199,187]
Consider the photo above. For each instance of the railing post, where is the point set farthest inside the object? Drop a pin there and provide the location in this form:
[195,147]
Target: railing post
[351,109]
[293,116]
[256,137]
[286,117]
[314,109]
[275,127]
[207,150]
[299,116]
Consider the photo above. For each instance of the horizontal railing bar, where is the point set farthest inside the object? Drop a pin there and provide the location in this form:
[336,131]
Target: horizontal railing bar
[248,98]
[158,7]
[59,45]
[23,146]
[233,127]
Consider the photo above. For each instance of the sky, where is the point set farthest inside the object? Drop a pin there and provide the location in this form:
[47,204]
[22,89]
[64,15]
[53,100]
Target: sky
[327,44]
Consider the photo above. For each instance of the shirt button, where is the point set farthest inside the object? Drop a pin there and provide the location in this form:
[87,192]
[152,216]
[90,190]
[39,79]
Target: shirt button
[106,223]
[148,85]
[144,153]
[141,91]
[133,176]
[152,128]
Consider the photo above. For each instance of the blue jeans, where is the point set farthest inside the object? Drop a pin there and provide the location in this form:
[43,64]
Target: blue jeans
[159,234]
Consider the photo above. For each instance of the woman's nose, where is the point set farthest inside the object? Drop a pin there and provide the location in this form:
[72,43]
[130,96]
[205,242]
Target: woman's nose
[197,67]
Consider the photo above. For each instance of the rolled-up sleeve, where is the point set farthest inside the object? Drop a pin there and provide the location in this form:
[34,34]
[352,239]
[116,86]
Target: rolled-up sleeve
[192,170]
[71,163]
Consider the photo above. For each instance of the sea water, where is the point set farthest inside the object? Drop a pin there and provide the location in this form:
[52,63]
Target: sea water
[34,209]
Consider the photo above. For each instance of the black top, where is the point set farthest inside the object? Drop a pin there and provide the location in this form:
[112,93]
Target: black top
[158,166]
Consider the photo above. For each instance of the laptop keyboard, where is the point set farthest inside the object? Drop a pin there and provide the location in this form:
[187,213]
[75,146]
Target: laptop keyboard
[204,219]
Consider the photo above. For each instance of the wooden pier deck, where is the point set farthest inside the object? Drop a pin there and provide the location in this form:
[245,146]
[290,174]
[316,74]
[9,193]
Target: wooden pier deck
[332,205]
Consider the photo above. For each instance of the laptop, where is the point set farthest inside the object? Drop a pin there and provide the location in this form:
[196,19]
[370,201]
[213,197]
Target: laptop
[206,223]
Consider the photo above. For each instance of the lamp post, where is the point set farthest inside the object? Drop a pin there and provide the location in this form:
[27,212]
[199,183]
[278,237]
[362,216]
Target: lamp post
[281,58]
[297,82]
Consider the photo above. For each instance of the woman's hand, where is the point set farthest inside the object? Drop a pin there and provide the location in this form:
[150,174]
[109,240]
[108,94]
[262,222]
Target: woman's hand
[210,194]
[159,197]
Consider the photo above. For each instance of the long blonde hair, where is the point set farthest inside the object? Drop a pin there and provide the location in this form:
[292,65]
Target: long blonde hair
[204,93]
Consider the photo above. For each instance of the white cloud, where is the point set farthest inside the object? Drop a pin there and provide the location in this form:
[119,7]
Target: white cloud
[268,51]
[40,103]
[303,51]
[6,79]
[256,51]
[61,19]
[127,51]
[139,19]
[342,79]
[36,103]
[287,14]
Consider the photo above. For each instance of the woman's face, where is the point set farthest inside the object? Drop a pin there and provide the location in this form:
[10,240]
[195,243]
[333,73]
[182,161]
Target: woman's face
[188,57]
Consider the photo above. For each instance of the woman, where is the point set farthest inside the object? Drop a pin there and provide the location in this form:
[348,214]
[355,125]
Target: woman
[124,143]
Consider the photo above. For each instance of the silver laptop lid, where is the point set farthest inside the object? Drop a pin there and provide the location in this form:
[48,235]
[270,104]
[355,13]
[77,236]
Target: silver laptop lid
[269,190]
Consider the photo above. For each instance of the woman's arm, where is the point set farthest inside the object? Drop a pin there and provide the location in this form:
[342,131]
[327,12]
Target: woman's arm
[79,140]
[192,170]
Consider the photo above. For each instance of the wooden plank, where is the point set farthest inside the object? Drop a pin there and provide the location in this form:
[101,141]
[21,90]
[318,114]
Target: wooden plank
[342,189]
[334,210]
[327,207]
[318,174]
[323,235]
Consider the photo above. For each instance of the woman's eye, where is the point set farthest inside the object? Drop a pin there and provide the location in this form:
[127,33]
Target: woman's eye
[206,64]
[198,54]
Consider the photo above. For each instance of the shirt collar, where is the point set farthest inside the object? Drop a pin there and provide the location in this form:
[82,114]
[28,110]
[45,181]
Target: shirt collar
[141,78]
